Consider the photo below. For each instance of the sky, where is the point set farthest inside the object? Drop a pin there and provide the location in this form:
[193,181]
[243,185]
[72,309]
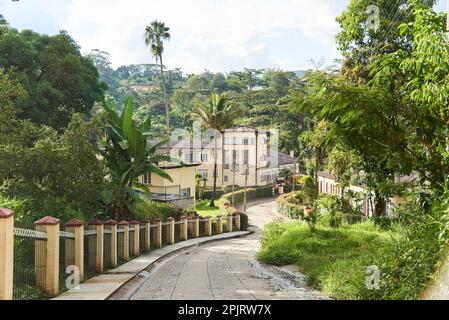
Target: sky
[214,35]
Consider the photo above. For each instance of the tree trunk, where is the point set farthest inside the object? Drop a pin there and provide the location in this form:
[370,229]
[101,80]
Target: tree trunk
[167,107]
[379,210]
[212,202]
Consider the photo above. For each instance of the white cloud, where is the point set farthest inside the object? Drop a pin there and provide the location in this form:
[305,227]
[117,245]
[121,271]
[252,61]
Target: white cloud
[218,35]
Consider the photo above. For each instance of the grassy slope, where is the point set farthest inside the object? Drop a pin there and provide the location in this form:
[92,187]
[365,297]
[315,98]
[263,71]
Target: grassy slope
[205,210]
[335,260]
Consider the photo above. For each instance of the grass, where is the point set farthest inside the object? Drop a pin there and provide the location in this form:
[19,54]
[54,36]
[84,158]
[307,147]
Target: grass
[204,209]
[335,260]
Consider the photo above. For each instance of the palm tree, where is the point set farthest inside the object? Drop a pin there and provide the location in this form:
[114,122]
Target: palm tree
[217,113]
[155,35]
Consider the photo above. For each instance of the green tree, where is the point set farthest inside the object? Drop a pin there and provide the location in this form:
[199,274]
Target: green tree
[155,35]
[58,80]
[359,42]
[218,114]
[128,157]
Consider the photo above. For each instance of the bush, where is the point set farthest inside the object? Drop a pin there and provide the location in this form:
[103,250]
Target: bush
[290,205]
[150,210]
[252,193]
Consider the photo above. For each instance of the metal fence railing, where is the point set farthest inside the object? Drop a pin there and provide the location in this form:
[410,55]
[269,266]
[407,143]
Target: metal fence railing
[29,264]
[94,244]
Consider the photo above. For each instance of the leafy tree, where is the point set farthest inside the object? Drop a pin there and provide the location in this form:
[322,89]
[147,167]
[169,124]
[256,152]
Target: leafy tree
[128,157]
[58,82]
[219,114]
[359,43]
[155,35]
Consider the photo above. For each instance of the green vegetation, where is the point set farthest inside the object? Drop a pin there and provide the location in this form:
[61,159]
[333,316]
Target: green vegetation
[407,252]
[204,209]
[128,157]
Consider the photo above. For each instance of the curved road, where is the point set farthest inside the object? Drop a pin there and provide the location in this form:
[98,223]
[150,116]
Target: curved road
[222,270]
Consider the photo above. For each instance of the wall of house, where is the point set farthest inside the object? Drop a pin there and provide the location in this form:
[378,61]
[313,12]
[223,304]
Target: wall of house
[183,177]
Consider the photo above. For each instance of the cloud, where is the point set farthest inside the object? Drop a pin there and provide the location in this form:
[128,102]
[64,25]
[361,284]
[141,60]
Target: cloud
[218,35]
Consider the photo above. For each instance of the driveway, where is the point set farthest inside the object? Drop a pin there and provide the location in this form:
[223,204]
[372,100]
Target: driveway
[225,270]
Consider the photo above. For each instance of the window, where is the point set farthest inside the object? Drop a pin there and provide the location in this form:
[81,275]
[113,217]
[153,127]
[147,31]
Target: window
[204,174]
[146,179]
[204,157]
[235,156]
[263,157]
[225,178]
[188,157]
[246,157]
[246,141]
[185,193]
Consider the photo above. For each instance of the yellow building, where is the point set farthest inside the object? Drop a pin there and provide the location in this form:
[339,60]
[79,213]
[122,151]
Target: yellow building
[180,192]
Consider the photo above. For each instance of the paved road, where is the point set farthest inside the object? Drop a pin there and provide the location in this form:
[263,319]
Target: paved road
[223,270]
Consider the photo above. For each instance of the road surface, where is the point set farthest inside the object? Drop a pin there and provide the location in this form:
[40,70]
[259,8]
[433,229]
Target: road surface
[225,270]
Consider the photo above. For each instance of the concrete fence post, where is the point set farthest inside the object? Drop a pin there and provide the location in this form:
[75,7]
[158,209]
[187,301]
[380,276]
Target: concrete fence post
[158,223]
[238,223]
[197,227]
[136,226]
[229,223]
[219,224]
[184,229]
[125,226]
[112,225]
[99,244]
[171,231]
[147,246]
[50,226]
[6,253]
[76,227]
[208,226]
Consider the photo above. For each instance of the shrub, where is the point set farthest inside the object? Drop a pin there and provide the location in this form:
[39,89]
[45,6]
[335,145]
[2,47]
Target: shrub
[243,221]
[150,210]
[290,205]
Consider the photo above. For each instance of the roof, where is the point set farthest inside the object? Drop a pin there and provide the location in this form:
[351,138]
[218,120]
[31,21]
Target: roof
[282,160]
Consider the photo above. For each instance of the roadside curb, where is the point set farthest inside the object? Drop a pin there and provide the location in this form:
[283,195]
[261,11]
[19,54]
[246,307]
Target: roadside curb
[107,284]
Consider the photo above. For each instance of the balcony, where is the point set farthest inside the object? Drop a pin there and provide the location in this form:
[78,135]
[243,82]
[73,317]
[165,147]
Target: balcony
[175,195]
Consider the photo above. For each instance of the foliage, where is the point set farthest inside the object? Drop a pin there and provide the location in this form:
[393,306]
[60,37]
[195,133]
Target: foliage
[252,193]
[334,260]
[312,218]
[147,210]
[53,171]
[128,157]
[58,80]
[155,35]
[309,189]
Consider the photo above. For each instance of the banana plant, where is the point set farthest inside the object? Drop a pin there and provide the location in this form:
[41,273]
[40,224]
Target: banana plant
[128,156]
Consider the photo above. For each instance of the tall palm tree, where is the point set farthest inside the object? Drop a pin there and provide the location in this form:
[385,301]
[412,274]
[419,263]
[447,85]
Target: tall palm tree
[155,35]
[218,113]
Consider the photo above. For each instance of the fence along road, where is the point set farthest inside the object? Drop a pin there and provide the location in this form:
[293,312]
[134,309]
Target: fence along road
[222,270]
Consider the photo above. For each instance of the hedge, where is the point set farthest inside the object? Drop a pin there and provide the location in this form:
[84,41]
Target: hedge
[288,209]
[252,193]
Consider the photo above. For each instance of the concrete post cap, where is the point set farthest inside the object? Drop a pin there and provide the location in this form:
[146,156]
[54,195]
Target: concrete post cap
[123,223]
[134,222]
[74,223]
[47,220]
[183,217]
[6,213]
[170,219]
[96,222]
[220,216]
[110,222]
